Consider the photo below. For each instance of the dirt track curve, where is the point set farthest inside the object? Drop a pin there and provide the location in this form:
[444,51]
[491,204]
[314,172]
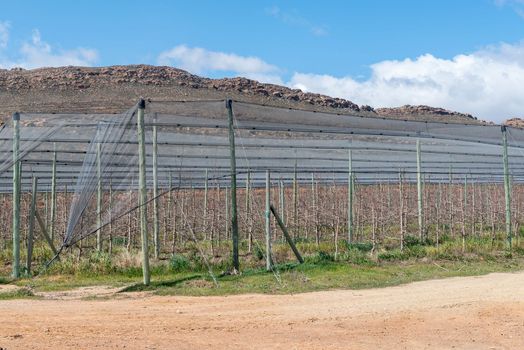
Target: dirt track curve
[484,312]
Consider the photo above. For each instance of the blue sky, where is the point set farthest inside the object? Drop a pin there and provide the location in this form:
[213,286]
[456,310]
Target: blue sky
[458,54]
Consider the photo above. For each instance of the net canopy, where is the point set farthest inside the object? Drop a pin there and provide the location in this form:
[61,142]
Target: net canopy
[83,153]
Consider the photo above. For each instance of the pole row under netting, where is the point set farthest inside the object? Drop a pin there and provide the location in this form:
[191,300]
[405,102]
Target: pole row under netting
[297,146]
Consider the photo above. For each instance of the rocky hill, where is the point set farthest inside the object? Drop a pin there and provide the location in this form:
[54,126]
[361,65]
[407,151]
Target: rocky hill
[113,89]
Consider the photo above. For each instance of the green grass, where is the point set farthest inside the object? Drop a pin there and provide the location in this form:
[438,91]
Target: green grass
[21,293]
[288,278]
[354,267]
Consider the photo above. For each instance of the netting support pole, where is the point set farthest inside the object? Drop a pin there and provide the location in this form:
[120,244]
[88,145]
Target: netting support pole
[401,200]
[143,191]
[282,201]
[98,198]
[450,200]
[234,219]
[30,234]
[286,235]
[110,215]
[295,202]
[170,205]
[16,196]
[156,234]
[227,216]
[248,212]
[206,186]
[53,194]
[419,194]
[268,221]
[464,211]
[350,197]
[507,190]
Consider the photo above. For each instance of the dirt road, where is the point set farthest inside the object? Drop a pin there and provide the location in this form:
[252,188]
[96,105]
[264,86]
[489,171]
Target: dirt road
[484,312]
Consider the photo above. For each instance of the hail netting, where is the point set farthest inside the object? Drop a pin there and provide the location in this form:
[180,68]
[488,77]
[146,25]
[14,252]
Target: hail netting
[33,140]
[193,148]
[192,137]
[110,162]
[280,139]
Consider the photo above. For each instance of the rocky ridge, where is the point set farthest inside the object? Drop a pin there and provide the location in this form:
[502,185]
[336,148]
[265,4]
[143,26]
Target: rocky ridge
[111,89]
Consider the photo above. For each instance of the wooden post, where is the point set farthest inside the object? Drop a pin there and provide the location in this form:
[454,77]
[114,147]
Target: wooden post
[450,200]
[295,202]
[170,205]
[249,219]
[350,197]
[66,207]
[268,221]
[53,195]
[464,210]
[234,219]
[439,203]
[156,234]
[282,201]
[286,234]
[16,196]
[473,212]
[419,194]
[110,216]
[47,237]
[98,198]
[401,200]
[507,190]
[205,202]
[30,235]
[226,193]
[313,204]
[46,208]
[143,191]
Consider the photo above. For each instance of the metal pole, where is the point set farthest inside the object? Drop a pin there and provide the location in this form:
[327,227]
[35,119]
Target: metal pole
[234,219]
[350,197]
[419,194]
[16,196]
[53,194]
[98,198]
[507,190]
[268,221]
[156,235]
[143,191]
[30,234]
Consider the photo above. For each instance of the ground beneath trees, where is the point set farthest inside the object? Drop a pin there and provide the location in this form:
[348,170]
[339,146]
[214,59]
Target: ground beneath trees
[485,312]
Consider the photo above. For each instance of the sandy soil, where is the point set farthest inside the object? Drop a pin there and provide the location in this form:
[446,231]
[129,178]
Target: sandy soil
[465,313]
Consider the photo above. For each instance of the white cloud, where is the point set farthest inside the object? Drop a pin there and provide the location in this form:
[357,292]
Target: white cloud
[296,20]
[37,53]
[486,83]
[201,61]
[516,5]
[4,34]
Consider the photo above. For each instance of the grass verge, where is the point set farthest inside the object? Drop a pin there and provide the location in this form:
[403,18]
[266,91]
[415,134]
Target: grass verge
[314,275]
